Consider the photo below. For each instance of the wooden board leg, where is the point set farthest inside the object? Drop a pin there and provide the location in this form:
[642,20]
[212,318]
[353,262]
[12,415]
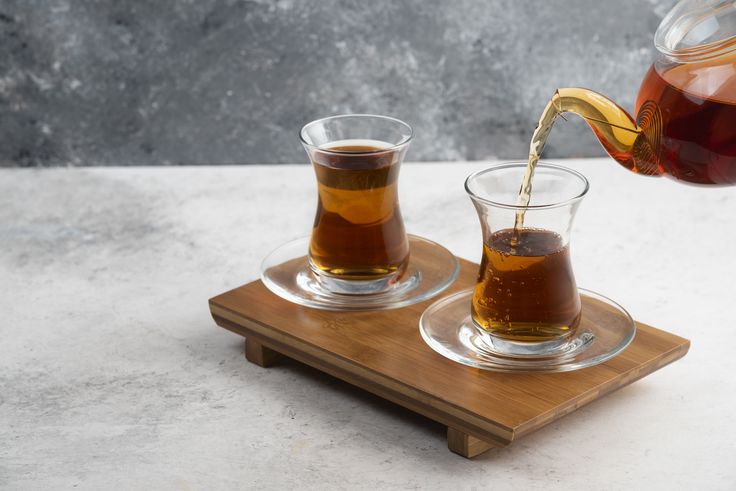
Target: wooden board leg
[466,445]
[258,354]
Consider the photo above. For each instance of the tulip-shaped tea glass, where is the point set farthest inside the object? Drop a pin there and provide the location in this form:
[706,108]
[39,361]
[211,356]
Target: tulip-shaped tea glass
[358,242]
[359,254]
[525,299]
[525,309]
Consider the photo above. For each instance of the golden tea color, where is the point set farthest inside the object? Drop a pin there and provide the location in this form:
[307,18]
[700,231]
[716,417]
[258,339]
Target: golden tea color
[526,290]
[358,231]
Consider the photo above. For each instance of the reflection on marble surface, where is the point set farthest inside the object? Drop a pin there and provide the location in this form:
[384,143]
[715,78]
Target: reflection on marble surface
[113,374]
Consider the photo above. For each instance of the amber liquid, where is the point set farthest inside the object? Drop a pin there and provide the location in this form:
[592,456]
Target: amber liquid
[697,141]
[358,231]
[685,125]
[526,292]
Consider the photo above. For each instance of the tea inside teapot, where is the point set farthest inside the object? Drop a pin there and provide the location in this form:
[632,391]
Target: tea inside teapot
[685,124]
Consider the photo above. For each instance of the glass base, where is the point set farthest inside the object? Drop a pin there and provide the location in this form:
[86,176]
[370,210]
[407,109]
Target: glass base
[337,284]
[287,273]
[553,347]
[605,330]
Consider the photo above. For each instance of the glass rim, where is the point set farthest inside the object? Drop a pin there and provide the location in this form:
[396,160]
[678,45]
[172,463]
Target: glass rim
[393,146]
[522,164]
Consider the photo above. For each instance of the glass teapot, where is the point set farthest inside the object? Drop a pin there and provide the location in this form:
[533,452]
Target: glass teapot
[685,124]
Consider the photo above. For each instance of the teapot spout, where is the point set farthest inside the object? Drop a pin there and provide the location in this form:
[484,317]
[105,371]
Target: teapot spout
[630,144]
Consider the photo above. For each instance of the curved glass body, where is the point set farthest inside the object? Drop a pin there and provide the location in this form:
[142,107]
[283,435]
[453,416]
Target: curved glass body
[358,244]
[695,103]
[525,299]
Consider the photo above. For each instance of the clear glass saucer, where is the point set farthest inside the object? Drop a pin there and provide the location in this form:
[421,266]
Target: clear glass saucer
[431,269]
[605,330]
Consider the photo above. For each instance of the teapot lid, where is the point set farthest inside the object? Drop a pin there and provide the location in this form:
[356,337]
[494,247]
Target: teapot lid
[698,30]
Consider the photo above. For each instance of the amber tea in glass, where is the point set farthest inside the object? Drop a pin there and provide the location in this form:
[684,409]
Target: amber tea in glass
[358,244]
[526,291]
[525,300]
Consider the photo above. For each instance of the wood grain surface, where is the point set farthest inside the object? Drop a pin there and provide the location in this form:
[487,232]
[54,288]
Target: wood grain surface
[382,352]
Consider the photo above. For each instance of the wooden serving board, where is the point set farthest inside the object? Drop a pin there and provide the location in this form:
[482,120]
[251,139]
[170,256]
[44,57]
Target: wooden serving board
[383,353]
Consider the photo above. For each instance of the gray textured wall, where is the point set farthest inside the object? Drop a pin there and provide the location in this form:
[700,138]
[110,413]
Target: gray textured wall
[229,81]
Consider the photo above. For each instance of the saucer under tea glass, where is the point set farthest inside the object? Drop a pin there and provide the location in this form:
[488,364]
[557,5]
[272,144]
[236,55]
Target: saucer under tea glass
[525,312]
[359,255]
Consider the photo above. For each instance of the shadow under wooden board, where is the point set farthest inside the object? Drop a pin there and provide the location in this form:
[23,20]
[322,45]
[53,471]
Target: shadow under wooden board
[383,353]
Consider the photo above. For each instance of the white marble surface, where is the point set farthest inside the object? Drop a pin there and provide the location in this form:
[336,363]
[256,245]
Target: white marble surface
[114,376]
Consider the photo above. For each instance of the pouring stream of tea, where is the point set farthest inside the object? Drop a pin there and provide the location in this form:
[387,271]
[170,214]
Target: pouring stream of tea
[539,139]
[576,101]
